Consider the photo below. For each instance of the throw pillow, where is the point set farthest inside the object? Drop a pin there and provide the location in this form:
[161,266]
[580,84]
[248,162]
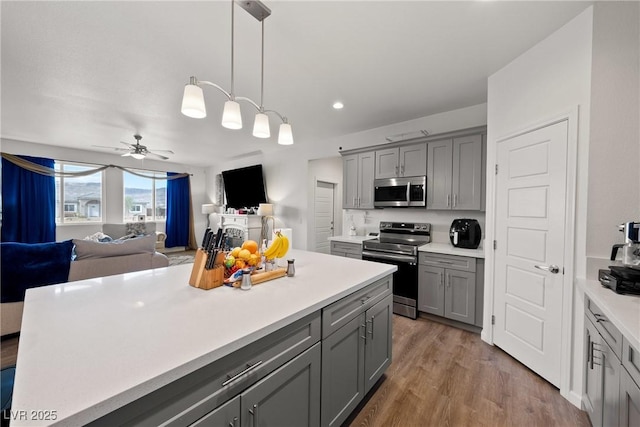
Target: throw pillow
[136,228]
[29,265]
[86,249]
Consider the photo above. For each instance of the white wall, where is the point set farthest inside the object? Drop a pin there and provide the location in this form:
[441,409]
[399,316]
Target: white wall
[614,149]
[286,170]
[113,196]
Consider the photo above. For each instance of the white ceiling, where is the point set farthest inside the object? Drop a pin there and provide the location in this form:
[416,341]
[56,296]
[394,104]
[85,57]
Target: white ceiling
[78,74]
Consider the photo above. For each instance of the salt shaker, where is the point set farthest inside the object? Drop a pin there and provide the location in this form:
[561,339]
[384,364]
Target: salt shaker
[291,269]
[246,280]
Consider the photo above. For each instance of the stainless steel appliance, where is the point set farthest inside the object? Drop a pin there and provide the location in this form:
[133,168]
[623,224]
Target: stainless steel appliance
[631,247]
[400,192]
[397,244]
[465,233]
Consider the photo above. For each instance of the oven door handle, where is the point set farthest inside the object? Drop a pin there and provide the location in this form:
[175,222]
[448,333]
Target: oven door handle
[389,257]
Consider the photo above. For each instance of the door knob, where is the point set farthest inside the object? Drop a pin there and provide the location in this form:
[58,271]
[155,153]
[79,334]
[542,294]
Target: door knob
[554,269]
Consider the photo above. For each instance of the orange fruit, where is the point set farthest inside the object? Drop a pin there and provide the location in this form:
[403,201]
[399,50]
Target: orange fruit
[240,263]
[253,259]
[251,246]
[244,254]
[236,251]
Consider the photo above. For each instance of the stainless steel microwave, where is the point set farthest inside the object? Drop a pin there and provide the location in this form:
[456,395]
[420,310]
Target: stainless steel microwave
[400,192]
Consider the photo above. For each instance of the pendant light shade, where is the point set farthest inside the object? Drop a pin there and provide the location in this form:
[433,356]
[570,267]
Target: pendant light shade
[231,117]
[261,126]
[285,136]
[193,102]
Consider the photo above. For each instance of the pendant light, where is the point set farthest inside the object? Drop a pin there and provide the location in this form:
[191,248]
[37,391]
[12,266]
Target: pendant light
[193,104]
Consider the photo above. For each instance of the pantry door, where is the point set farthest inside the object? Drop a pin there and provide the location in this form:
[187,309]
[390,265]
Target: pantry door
[531,188]
[323,216]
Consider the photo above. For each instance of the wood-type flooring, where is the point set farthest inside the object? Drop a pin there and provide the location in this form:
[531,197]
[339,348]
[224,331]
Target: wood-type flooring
[444,376]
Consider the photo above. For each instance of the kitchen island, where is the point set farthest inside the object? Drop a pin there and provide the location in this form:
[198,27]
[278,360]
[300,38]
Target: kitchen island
[109,349]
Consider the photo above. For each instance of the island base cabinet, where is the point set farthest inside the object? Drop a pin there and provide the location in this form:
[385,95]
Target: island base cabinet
[354,357]
[290,396]
[629,401]
[227,415]
[378,328]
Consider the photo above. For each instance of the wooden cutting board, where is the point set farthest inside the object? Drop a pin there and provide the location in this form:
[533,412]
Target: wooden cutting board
[258,278]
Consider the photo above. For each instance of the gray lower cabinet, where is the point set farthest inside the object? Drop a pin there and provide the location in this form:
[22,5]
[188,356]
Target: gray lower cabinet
[629,401]
[611,396]
[451,286]
[225,415]
[354,357]
[288,397]
[348,250]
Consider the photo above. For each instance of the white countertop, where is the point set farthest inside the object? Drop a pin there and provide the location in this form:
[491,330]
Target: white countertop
[351,239]
[449,249]
[90,347]
[622,310]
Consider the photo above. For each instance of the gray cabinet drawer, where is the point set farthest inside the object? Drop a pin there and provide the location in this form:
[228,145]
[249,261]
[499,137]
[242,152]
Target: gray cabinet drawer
[455,262]
[344,249]
[341,312]
[631,360]
[609,332]
[191,397]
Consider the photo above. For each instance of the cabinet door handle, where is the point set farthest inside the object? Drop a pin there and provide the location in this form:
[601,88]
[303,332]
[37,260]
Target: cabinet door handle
[448,280]
[233,422]
[364,337]
[396,170]
[448,200]
[402,170]
[254,413]
[441,279]
[455,200]
[371,331]
[231,379]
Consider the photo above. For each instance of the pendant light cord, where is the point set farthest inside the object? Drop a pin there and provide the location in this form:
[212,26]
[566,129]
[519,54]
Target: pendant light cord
[262,72]
[233,92]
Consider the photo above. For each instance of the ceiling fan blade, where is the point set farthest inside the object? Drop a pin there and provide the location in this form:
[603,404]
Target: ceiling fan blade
[127,144]
[159,156]
[164,151]
[110,148]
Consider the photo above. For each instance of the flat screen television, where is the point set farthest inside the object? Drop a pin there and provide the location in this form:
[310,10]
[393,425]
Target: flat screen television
[244,187]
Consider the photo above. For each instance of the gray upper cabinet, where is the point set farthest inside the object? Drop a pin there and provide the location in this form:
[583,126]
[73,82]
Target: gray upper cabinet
[358,175]
[454,173]
[407,160]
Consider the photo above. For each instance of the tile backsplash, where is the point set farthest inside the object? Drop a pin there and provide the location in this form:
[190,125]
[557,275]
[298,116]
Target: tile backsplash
[366,221]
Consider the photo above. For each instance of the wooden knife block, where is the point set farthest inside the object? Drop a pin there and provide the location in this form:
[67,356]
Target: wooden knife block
[203,278]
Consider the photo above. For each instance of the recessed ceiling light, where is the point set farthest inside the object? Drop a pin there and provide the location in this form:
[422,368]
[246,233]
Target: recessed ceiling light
[338,105]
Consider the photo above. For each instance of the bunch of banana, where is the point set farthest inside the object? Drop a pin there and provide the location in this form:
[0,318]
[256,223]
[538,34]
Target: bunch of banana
[278,247]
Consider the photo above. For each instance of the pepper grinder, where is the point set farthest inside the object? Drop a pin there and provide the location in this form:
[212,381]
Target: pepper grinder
[291,269]
[246,280]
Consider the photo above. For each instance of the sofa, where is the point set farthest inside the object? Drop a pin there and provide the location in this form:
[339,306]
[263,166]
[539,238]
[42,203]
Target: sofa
[90,260]
[117,231]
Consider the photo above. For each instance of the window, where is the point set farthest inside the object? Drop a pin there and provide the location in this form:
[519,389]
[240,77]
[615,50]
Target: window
[78,199]
[145,196]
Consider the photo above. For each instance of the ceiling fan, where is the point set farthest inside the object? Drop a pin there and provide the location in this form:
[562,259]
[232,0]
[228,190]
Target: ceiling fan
[137,150]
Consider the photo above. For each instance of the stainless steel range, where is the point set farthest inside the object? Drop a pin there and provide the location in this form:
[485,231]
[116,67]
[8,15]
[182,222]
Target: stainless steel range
[398,244]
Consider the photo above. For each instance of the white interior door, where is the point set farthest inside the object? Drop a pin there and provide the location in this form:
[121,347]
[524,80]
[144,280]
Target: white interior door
[323,216]
[529,255]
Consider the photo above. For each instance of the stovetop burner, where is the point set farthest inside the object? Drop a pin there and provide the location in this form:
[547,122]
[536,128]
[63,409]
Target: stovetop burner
[400,238]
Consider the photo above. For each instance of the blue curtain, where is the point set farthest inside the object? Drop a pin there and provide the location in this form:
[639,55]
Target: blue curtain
[178,211]
[28,203]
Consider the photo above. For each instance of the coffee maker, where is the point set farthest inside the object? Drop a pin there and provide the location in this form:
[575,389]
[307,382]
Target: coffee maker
[630,249]
[624,276]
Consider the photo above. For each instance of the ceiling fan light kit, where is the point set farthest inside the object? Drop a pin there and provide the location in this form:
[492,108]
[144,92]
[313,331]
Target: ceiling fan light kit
[193,104]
